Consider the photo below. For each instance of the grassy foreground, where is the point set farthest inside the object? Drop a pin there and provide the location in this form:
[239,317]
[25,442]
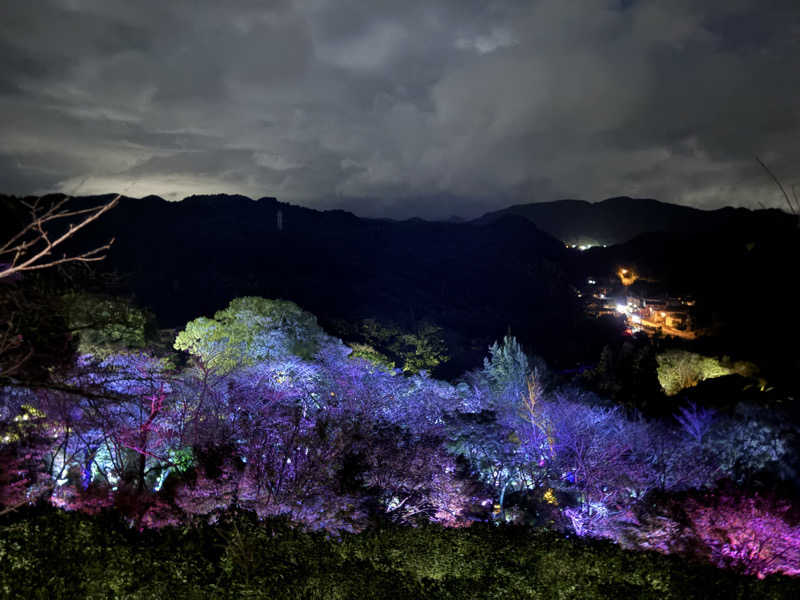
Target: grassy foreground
[50,554]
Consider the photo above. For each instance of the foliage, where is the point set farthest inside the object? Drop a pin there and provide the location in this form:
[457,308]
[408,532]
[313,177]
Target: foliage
[747,532]
[28,323]
[626,374]
[754,440]
[249,330]
[421,349]
[425,349]
[21,478]
[750,531]
[695,421]
[34,334]
[105,324]
[679,369]
[506,366]
[335,442]
[99,557]
[369,353]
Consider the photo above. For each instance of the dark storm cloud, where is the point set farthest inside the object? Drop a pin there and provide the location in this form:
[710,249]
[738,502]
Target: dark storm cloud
[402,108]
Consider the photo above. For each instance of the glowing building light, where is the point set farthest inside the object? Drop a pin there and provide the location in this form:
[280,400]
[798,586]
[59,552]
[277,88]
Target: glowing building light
[627,276]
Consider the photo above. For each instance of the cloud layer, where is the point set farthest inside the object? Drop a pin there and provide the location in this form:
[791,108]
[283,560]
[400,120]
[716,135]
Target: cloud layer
[405,108]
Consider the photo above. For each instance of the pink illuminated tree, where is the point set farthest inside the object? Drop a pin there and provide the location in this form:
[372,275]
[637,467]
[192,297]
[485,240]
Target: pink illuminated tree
[755,533]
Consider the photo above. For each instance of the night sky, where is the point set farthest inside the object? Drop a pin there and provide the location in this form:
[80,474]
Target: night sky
[402,108]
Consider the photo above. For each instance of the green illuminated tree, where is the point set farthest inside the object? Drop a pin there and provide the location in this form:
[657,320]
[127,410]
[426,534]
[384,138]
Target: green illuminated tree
[249,330]
[425,349]
[679,369]
[369,353]
[105,324]
[420,350]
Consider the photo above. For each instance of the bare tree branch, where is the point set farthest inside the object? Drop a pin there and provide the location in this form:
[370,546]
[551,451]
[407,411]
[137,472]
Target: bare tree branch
[795,210]
[31,248]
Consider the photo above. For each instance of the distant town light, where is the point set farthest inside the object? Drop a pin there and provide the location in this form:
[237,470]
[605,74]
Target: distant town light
[626,276]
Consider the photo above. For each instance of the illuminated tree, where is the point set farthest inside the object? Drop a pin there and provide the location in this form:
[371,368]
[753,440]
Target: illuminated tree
[679,369]
[752,440]
[369,353]
[105,325]
[506,366]
[249,330]
[415,478]
[293,427]
[287,451]
[24,448]
[277,417]
[751,533]
[108,422]
[420,349]
[695,421]
[425,349]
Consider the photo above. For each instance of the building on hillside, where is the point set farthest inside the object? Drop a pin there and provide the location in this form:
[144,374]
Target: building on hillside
[667,315]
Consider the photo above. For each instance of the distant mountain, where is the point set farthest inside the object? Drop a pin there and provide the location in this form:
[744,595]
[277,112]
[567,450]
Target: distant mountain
[190,258]
[620,219]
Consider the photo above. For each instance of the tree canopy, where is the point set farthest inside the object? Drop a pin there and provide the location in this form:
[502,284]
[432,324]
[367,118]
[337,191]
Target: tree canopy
[249,330]
[106,324]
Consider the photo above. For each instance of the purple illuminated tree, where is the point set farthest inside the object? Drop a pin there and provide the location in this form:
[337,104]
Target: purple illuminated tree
[695,421]
[751,533]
